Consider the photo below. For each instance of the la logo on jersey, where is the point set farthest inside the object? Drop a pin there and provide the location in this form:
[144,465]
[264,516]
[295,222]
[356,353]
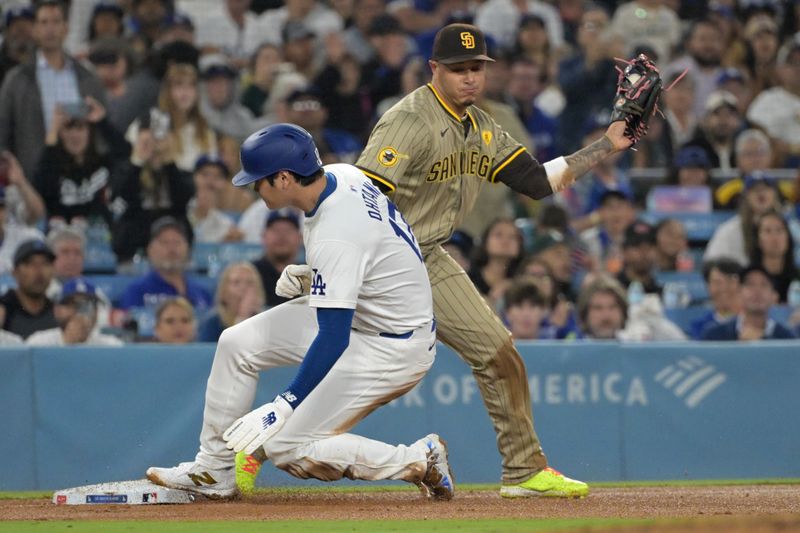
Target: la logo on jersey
[317,285]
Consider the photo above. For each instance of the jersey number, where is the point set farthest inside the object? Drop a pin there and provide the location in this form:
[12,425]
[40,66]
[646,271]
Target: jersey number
[402,228]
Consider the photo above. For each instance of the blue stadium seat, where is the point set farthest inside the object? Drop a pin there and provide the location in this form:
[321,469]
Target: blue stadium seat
[99,258]
[699,226]
[113,285]
[694,282]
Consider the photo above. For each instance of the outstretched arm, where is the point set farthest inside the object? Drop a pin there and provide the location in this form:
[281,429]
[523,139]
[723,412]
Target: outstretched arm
[527,176]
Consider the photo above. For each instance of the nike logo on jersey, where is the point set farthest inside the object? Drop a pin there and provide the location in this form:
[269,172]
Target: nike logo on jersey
[444,131]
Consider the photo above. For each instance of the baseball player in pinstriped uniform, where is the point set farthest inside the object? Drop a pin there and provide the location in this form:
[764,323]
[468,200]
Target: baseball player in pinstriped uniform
[431,153]
[363,336]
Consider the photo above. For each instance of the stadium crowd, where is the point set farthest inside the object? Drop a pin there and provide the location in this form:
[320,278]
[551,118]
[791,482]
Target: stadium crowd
[120,124]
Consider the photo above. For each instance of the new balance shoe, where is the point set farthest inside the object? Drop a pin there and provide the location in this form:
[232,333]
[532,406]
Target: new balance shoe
[217,484]
[547,483]
[438,483]
[247,469]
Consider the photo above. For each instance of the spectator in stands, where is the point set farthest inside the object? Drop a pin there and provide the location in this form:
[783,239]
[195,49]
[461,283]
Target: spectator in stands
[647,22]
[762,40]
[233,199]
[168,252]
[758,295]
[592,66]
[524,309]
[67,244]
[27,309]
[282,242]
[356,36]
[496,259]
[230,28]
[500,20]
[532,43]
[77,315]
[175,322]
[340,88]
[704,49]
[218,100]
[721,122]
[560,321]
[604,241]
[722,278]
[753,154]
[736,82]
[305,108]
[18,43]
[209,223]
[692,168]
[24,205]
[30,93]
[382,76]
[638,257]
[107,21]
[672,247]
[271,80]
[681,121]
[128,94]
[526,83]
[239,296]
[11,236]
[147,20]
[733,238]
[773,251]
[459,247]
[776,109]
[147,187]
[553,249]
[313,14]
[298,49]
[72,177]
[188,131]
[602,309]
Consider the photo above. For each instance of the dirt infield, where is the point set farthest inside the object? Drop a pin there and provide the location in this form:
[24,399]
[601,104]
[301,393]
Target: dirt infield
[739,508]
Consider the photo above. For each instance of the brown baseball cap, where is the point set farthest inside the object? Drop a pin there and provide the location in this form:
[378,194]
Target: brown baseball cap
[456,43]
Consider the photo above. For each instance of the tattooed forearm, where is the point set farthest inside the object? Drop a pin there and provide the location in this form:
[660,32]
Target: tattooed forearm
[582,160]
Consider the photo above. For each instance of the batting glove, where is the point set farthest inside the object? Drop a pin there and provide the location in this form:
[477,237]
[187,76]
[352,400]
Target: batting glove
[294,281]
[251,431]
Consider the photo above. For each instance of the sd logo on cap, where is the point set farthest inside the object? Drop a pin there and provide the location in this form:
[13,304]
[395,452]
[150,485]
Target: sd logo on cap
[456,43]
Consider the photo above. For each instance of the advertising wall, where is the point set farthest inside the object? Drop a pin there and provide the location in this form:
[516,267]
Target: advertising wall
[72,416]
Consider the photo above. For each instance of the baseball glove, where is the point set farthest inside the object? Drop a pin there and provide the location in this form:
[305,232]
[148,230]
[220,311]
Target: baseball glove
[638,91]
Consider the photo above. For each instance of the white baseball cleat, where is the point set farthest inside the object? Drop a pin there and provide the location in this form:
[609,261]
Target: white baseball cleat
[216,484]
[438,483]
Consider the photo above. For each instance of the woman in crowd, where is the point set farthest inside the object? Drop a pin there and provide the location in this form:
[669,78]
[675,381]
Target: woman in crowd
[497,259]
[774,251]
[240,295]
[672,247]
[178,117]
[175,322]
[73,177]
[146,188]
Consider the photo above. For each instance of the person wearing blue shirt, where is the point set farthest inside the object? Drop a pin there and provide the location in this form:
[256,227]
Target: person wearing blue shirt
[168,253]
[723,283]
[758,294]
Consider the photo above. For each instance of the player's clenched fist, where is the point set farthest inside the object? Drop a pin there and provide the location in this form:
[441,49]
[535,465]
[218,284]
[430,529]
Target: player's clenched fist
[256,427]
[294,281]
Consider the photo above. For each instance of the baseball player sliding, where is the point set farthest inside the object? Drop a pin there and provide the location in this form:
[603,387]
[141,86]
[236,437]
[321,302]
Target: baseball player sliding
[432,152]
[363,335]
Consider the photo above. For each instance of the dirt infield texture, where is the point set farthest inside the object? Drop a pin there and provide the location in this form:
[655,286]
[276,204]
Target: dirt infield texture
[724,508]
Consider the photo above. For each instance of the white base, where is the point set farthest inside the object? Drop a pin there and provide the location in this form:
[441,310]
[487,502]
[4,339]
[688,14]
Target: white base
[135,492]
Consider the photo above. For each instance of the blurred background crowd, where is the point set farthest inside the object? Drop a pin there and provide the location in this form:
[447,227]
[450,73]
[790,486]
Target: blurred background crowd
[120,124]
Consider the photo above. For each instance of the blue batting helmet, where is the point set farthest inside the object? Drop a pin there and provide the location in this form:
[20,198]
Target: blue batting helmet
[274,148]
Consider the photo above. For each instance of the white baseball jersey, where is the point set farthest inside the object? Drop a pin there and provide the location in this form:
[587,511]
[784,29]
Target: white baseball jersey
[364,256]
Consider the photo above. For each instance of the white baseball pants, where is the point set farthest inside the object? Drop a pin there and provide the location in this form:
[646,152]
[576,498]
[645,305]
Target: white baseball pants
[371,372]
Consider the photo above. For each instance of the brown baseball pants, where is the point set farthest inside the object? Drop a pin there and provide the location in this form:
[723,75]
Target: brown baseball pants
[466,323]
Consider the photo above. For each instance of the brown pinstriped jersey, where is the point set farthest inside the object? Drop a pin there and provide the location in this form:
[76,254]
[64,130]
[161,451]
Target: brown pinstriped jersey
[433,170]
